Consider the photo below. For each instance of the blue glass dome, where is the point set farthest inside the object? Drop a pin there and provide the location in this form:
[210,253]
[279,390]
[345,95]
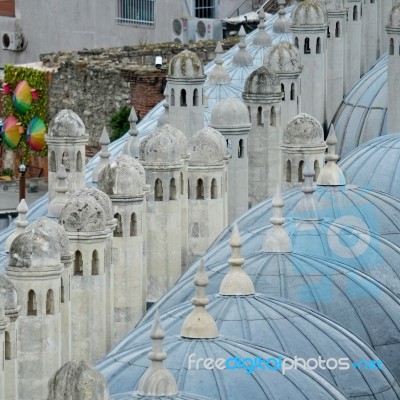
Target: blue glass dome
[285,328]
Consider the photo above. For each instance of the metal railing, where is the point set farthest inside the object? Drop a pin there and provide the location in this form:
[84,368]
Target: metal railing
[267,5]
[135,12]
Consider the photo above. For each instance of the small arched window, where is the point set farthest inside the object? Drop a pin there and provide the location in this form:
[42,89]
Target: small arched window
[95,263]
[337,29]
[134,231]
[296,42]
[32,304]
[118,229]
[79,162]
[50,302]
[7,346]
[292,92]
[182,183]
[272,118]
[62,291]
[355,13]
[318,46]
[158,190]
[183,98]
[372,1]
[241,149]
[53,167]
[78,263]
[172,189]
[214,189]
[200,190]
[283,91]
[188,189]
[307,48]
[260,116]
[300,171]
[288,171]
[195,97]
[65,161]
[391,47]
[172,98]
[328,32]
[316,170]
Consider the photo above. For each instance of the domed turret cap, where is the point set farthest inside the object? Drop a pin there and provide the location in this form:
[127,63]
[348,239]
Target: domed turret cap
[230,112]
[186,64]
[207,146]
[121,177]
[284,58]
[308,12]
[303,130]
[262,81]
[99,197]
[66,124]
[394,17]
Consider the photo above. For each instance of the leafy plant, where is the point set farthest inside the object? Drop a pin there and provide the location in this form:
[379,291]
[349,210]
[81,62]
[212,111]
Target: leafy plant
[119,123]
[7,172]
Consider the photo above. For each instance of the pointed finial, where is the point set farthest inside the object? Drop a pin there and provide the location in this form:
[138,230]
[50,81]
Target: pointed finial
[157,380]
[277,239]
[331,174]
[219,75]
[262,38]
[242,58]
[104,155]
[131,146]
[307,208]
[236,282]
[61,198]
[20,224]
[199,324]
[281,25]
[164,118]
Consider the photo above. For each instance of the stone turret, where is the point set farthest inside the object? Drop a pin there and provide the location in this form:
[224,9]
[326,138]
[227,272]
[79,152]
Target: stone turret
[20,224]
[104,155]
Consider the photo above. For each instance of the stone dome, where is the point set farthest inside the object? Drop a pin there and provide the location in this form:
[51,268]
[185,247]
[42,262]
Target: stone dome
[375,164]
[394,17]
[186,64]
[160,147]
[124,369]
[37,250]
[8,293]
[262,81]
[308,12]
[264,321]
[66,124]
[83,214]
[207,146]
[77,380]
[55,230]
[284,58]
[179,136]
[303,130]
[99,197]
[230,112]
[121,178]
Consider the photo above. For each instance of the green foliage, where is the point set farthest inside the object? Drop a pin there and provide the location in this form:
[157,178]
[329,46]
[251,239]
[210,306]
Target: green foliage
[40,81]
[7,172]
[119,123]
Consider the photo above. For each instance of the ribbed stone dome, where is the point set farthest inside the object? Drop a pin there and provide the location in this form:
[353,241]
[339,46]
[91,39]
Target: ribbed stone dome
[83,214]
[207,147]
[284,58]
[308,12]
[230,112]
[66,124]
[303,130]
[8,293]
[121,177]
[99,197]
[394,17]
[186,64]
[262,81]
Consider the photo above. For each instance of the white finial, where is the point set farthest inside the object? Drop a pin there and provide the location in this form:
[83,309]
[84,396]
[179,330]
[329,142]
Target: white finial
[262,38]
[236,282]
[277,239]
[61,198]
[219,75]
[199,324]
[157,380]
[281,25]
[164,118]
[104,155]
[242,58]
[131,147]
[331,174]
[20,224]
[307,208]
